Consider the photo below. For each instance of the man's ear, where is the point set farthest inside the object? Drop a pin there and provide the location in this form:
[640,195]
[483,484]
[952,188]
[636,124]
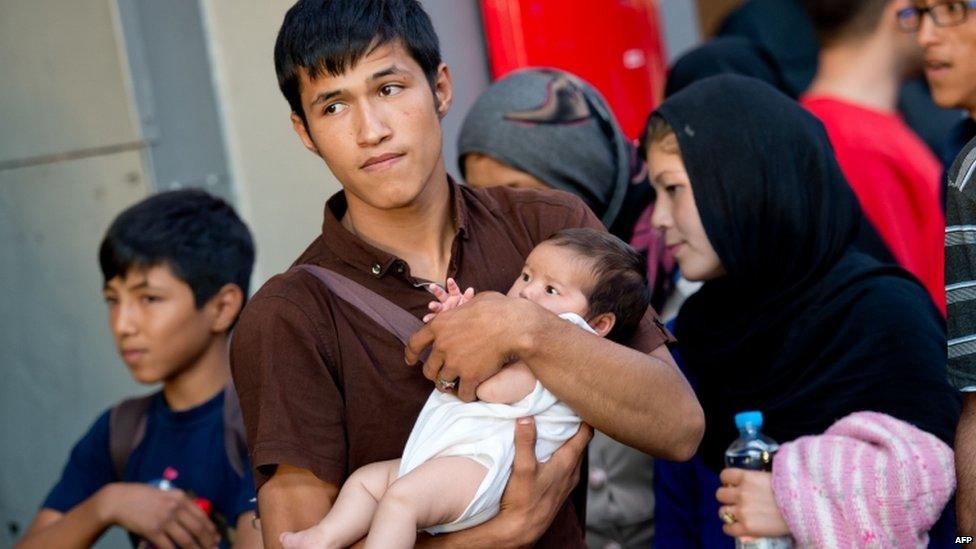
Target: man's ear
[603,323]
[225,306]
[443,90]
[302,130]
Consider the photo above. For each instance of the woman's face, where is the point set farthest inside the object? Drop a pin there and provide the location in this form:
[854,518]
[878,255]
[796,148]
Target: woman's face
[484,171]
[676,214]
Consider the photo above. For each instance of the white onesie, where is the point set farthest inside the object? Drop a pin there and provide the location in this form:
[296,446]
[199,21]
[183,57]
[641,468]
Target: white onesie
[485,432]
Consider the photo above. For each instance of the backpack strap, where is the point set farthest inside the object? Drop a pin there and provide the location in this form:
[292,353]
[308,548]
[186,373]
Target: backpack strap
[126,429]
[390,316]
[235,443]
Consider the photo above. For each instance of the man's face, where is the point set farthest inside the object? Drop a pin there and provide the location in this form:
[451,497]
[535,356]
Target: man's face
[158,330]
[950,59]
[377,126]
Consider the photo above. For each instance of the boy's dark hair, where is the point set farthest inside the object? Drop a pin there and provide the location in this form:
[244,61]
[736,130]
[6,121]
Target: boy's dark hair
[198,236]
[835,20]
[330,36]
[619,278]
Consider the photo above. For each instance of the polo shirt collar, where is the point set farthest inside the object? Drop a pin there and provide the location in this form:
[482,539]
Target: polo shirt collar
[351,249]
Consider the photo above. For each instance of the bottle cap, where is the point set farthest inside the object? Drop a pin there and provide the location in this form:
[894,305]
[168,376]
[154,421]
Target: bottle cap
[749,420]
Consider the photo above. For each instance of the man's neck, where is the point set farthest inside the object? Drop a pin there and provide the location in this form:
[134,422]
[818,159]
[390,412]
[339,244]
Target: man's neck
[866,73]
[198,383]
[421,234]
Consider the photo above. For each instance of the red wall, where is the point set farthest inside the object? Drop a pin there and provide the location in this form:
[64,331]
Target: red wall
[616,45]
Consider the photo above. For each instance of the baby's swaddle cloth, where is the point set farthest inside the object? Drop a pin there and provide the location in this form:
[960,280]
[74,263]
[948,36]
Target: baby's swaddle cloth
[485,432]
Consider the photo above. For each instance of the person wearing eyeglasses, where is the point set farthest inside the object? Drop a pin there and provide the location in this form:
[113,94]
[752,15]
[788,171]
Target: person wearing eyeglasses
[946,31]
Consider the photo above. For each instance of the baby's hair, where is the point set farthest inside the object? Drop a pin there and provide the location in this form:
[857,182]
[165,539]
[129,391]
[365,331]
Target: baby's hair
[619,277]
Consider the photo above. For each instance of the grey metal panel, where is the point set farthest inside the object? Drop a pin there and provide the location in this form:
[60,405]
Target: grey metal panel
[59,363]
[680,25]
[174,94]
[459,27]
[63,85]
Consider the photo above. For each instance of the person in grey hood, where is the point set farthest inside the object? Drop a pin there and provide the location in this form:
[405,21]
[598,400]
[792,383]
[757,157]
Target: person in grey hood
[543,127]
[546,128]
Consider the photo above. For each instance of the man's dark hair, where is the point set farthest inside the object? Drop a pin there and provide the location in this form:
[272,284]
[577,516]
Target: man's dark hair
[619,277]
[198,236]
[330,36]
[836,20]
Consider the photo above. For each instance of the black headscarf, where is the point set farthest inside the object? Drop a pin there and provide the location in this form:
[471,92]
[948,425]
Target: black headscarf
[803,326]
[724,55]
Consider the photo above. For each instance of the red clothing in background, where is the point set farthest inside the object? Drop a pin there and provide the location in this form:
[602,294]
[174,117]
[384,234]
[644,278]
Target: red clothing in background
[896,179]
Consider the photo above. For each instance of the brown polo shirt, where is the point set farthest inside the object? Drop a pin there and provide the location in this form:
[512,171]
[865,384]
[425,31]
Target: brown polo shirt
[324,388]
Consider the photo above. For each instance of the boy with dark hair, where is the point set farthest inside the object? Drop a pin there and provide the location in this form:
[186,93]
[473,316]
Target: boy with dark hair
[864,60]
[322,388]
[176,268]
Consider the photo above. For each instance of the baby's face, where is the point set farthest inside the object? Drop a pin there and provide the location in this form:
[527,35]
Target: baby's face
[556,278]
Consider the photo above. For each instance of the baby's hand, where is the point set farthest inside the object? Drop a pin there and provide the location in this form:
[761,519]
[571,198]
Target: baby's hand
[447,300]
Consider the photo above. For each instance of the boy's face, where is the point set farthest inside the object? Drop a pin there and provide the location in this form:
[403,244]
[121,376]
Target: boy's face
[158,330]
[555,277]
[377,126]
[950,59]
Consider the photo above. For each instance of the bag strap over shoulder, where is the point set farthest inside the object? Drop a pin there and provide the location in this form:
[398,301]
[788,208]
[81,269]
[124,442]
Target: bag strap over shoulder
[235,442]
[392,317]
[126,429]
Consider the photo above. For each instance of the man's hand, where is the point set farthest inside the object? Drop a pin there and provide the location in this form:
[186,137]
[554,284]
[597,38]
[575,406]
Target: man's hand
[748,503]
[536,491]
[166,518]
[473,342]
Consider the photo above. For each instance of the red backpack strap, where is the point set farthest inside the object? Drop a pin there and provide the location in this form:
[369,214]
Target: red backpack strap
[390,316]
[126,429]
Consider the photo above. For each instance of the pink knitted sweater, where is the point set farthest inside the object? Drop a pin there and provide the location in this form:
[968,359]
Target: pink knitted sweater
[869,481]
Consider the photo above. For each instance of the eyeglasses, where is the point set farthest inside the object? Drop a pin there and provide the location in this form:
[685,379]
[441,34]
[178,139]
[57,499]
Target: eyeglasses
[944,14]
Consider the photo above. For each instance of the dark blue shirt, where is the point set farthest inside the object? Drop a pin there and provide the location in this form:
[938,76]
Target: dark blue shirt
[190,441]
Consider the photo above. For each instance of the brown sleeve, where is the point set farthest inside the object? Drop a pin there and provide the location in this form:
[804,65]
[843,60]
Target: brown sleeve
[650,333]
[292,406]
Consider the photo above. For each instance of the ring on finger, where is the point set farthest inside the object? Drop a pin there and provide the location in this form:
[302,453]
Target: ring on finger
[444,384]
[727,516]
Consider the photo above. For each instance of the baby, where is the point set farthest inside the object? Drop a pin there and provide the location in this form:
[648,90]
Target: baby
[459,456]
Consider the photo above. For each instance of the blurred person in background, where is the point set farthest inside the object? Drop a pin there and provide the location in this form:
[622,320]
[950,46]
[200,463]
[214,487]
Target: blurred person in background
[864,60]
[176,267]
[783,28]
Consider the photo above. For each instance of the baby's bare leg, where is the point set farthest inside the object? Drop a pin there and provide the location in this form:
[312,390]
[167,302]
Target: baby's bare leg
[348,520]
[435,493]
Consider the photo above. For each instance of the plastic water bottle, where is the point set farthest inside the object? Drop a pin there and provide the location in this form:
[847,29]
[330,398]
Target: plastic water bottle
[754,451]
